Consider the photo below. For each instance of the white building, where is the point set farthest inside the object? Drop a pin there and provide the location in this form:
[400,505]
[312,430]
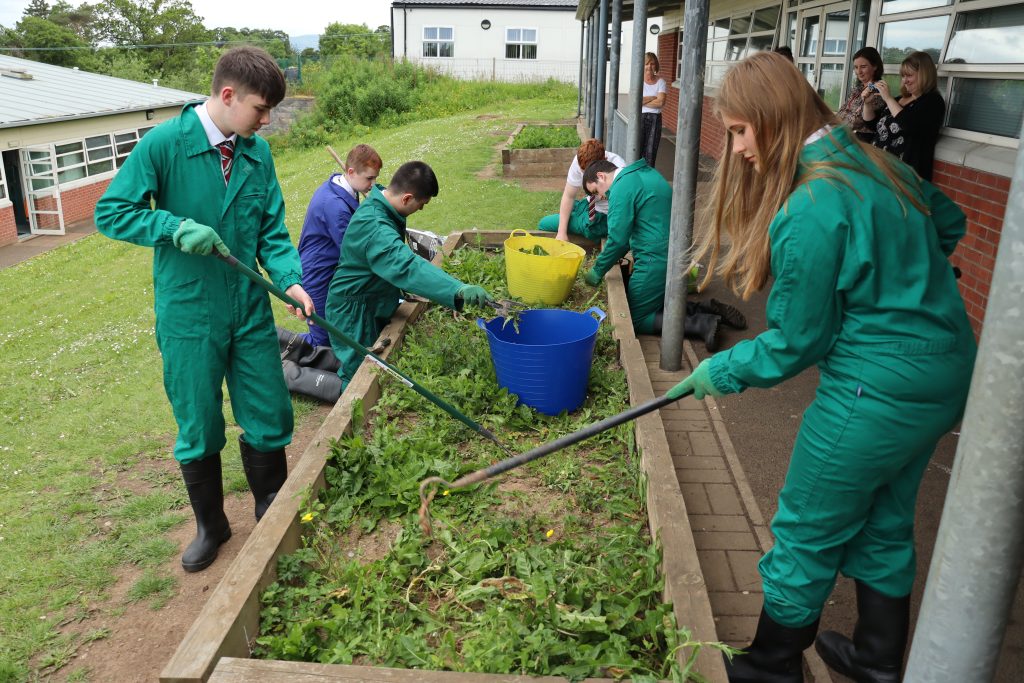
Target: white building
[505,40]
[63,135]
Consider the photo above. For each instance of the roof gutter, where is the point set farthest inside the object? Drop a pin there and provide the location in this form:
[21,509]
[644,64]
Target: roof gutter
[77,117]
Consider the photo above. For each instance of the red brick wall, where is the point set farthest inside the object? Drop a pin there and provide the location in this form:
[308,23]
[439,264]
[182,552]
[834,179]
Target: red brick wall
[667,46]
[983,197]
[8,230]
[77,204]
[80,203]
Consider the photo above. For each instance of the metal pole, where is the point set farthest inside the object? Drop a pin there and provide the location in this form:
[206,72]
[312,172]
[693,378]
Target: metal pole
[978,555]
[591,71]
[602,64]
[684,180]
[613,76]
[579,94]
[636,81]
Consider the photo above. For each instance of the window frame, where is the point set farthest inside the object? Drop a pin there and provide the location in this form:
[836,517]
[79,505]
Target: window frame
[4,194]
[947,73]
[521,44]
[437,42]
[749,12]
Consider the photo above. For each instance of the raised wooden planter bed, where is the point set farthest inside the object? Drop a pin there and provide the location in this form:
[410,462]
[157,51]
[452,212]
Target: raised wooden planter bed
[537,163]
[217,646]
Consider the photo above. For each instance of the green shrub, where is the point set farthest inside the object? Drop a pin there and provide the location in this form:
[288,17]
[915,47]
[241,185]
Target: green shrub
[545,137]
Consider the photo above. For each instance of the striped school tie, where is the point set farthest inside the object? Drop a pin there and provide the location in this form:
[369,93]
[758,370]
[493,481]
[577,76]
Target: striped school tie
[227,155]
[592,207]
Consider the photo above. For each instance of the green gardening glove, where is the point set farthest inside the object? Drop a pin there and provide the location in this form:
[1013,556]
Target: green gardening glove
[474,295]
[699,382]
[592,278]
[199,239]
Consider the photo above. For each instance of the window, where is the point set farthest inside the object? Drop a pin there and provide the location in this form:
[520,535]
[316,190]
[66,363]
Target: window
[100,153]
[438,41]
[521,43]
[984,94]
[3,183]
[732,38]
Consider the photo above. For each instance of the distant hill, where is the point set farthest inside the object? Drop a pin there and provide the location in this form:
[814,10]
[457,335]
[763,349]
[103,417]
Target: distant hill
[300,43]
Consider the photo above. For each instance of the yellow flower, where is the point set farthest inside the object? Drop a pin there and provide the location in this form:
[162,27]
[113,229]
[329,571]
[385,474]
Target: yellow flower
[551,532]
[446,493]
[308,517]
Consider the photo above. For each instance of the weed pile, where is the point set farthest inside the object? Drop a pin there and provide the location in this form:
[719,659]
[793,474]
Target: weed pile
[548,571]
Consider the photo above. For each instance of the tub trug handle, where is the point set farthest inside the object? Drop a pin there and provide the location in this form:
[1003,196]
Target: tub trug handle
[594,310]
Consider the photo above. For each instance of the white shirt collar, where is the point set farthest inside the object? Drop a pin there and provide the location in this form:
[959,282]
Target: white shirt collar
[817,135]
[213,133]
[341,181]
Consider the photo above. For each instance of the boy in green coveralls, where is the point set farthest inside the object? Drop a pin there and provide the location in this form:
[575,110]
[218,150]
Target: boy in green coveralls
[199,182]
[639,210]
[376,265]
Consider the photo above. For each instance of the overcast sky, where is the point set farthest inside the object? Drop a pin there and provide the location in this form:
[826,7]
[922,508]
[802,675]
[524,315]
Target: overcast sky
[295,17]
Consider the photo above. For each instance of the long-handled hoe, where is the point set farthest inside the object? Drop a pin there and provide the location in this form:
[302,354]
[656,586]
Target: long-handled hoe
[359,348]
[430,485]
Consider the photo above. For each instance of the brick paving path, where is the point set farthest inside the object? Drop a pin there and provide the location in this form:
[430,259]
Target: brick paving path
[729,530]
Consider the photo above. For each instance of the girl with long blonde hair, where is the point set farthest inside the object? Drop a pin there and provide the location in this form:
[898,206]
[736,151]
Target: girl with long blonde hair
[855,249]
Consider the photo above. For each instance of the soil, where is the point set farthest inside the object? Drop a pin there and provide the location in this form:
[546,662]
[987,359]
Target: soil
[141,639]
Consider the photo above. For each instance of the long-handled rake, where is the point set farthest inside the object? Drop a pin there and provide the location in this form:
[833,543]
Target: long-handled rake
[433,483]
[359,348]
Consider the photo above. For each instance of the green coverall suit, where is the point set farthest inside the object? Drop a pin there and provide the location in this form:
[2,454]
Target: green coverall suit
[863,289]
[375,267]
[211,323]
[639,207]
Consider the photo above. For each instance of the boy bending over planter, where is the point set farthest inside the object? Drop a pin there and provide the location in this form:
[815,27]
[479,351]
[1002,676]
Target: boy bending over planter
[377,265]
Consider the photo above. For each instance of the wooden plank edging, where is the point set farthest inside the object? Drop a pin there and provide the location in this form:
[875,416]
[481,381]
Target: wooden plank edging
[685,587]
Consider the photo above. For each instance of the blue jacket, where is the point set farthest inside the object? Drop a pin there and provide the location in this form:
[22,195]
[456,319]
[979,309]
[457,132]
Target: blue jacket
[324,228]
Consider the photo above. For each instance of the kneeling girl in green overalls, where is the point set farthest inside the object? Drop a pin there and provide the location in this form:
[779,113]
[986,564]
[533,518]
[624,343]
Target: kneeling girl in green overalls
[858,246]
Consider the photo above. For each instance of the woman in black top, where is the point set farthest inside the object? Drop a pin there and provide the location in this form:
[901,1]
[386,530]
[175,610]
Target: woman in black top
[910,127]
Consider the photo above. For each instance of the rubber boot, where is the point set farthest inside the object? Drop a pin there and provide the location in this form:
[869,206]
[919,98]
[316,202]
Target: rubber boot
[730,315]
[206,493]
[265,473]
[319,384]
[292,345]
[875,655]
[703,326]
[318,358]
[775,656]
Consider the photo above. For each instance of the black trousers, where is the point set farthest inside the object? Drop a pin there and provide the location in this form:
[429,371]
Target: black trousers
[650,136]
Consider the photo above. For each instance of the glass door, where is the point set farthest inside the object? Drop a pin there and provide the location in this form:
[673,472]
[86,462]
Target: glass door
[823,52]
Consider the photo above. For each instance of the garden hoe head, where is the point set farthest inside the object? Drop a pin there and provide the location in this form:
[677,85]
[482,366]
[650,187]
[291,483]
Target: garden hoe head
[430,485]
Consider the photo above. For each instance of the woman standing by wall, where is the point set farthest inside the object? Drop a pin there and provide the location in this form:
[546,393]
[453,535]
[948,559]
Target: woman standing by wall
[650,111]
[867,66]
[910,127]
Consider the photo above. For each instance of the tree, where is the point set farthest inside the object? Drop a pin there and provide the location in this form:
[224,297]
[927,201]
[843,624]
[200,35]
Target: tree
[37,8]
[154,23]
[354,40]
[277,43]
[35,32]
[79,19]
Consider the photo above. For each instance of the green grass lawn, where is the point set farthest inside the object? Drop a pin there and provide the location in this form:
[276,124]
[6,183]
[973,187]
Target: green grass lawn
[83,416]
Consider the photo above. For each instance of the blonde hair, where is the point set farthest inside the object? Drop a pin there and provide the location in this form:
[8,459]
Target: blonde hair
[768,93]
[652,58]
[920,63]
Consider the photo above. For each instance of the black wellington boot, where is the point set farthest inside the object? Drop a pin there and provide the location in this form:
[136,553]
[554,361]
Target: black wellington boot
[775,656]
[292,345]
[730,314]
[703,326]
[875,655]
[318,358]
[265,473]
[319,384]
[206,493]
